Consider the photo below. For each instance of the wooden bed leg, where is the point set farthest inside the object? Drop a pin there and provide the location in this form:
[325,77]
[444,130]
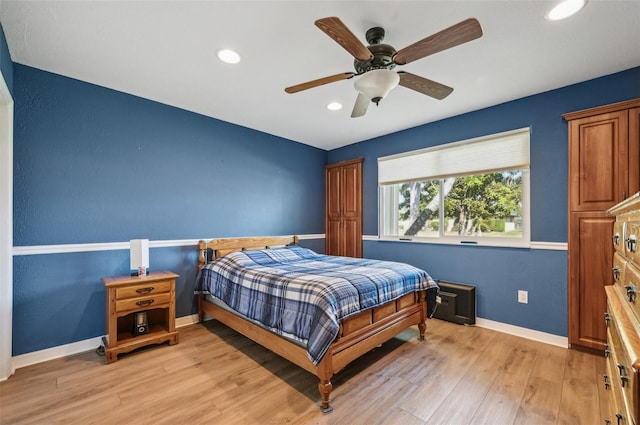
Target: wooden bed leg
[325,386]
[422,325]
[200,312]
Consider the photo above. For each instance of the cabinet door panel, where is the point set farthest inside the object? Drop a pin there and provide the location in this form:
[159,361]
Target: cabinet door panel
[352,237]
[351,190]
[590,265]
[333,191]
[333,239]
[598,157]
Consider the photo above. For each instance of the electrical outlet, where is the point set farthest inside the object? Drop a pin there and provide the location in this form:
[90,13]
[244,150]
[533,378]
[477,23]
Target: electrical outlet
[523,297]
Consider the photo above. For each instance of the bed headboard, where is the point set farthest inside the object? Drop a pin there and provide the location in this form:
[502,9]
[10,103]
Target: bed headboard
[220,247]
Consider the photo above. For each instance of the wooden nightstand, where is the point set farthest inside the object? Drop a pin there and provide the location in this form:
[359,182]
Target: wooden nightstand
[127,295]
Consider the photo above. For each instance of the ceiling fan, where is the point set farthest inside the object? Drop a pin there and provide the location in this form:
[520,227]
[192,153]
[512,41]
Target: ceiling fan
[374,63]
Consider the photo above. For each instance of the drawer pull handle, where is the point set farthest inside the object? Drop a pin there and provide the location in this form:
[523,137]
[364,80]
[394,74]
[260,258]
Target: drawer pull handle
[616,273]
[616,239]
[624,378]
[607,422]
[145,302]
[620,418]
[151,288]
[607,318]
[607,351]
[631,292]
[607,384]
[631,243]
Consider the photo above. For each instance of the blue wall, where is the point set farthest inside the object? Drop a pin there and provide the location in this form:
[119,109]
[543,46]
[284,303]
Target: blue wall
[6,66]
[498,272]
[93,165]
[97,165]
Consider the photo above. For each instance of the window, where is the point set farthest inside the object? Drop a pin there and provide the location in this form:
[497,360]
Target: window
[475,191]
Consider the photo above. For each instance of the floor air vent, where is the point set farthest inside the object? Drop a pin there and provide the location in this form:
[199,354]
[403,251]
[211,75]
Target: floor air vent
[458,303]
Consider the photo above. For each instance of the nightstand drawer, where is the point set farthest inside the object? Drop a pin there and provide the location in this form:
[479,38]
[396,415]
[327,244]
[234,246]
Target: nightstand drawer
[141,303]
[134,291]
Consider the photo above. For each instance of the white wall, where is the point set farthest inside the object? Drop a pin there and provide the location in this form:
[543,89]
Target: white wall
[6,228]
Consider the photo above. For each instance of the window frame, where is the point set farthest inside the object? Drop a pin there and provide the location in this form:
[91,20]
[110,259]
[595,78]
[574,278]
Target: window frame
[386,208]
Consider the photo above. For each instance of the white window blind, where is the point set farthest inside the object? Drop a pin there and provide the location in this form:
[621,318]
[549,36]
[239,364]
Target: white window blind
[502,151]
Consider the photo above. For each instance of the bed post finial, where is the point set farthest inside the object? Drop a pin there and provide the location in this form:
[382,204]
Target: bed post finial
[295,240]
[202,254]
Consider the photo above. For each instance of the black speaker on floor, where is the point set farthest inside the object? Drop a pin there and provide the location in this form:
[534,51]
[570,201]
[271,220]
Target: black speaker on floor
[457,303]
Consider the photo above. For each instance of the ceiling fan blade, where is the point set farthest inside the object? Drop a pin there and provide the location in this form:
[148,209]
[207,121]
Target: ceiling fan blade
[360,108]
[319,82]
[424,85]
[337,30]
[455,35]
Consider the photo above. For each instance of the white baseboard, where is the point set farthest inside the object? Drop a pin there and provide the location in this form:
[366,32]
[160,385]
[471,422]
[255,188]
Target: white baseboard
[547,338]
[76,347]
[35,357]
[186,320]
[55,352]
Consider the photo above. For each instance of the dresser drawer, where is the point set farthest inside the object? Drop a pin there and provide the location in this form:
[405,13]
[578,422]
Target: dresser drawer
[134,291]
[618,236]
[616,411]
[622,373]
[629,288]
[141,303]
[619,269]
[625,381]
[631,235]
[614,341]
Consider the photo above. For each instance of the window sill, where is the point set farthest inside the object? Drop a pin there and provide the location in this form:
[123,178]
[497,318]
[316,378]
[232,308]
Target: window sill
[553,246]
[474,242]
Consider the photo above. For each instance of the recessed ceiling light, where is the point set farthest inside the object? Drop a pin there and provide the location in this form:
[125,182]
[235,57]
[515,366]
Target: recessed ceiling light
[565,9]
[334,106]
[228,56]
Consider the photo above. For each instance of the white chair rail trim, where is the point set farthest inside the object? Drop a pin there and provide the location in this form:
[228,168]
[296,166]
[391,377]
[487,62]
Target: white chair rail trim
[116,246]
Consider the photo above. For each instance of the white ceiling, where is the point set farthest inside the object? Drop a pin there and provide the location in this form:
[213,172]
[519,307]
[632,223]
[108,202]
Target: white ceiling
[165,51]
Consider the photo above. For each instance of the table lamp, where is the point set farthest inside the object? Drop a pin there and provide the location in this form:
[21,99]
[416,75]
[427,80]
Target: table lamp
[139,256]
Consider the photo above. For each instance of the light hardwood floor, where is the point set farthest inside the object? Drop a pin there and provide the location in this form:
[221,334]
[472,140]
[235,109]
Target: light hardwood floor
[459,375]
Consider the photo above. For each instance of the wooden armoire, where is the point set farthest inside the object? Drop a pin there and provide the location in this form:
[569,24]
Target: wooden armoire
[604,169]
[343,218]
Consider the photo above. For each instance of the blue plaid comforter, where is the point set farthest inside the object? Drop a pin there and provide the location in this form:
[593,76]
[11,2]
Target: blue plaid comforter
[298,293]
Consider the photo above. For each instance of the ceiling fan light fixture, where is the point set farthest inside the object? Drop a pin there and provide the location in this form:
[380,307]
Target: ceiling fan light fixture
[377,83]
[565,8]
[228,56]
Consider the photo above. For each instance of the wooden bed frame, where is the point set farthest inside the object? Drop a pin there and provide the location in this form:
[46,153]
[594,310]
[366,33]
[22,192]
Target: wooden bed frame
[357,335]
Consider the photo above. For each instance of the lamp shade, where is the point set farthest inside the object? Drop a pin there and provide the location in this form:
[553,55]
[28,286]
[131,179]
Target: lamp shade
[376,84]
[139,253]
